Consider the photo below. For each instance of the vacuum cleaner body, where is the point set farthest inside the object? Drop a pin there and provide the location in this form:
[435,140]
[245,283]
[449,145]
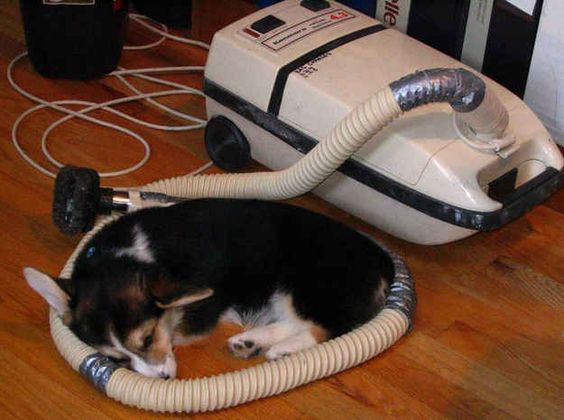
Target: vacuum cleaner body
[286,75]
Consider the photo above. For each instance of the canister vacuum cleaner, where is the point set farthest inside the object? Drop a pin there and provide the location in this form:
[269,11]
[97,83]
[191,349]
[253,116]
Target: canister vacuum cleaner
[278,81]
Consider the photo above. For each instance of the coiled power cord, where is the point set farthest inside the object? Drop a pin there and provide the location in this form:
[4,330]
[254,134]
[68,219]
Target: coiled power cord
[61,106]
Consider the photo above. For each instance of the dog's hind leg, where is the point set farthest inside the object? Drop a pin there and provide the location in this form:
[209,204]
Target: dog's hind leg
[287,325]
[257,340]
[276,339]
[297,342]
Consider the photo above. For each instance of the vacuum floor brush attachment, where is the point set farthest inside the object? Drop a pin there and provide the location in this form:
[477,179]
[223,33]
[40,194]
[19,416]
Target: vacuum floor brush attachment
[77,199]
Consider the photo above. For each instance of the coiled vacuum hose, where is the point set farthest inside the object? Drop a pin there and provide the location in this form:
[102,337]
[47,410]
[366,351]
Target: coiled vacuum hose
[460,88]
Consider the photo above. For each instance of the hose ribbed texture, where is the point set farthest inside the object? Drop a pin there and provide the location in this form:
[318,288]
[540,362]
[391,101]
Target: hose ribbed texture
[345,139]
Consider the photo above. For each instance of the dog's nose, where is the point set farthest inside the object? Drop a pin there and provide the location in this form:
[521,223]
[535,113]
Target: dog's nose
[164,375]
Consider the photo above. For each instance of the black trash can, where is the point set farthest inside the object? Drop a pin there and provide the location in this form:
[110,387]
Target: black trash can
[74,39]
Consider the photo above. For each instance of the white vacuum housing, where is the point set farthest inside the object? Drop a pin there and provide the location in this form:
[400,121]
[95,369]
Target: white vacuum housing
[283,77]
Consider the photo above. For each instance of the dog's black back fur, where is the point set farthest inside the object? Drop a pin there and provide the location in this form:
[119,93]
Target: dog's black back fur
[245,250]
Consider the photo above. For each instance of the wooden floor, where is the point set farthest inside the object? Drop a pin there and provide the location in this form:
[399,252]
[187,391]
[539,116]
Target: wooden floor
[489,330]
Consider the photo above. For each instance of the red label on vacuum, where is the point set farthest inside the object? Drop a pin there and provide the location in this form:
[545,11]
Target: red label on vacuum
[305,28]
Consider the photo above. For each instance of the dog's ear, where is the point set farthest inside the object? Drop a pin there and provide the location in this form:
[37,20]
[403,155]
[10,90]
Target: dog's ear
[186,299]
[170,292]
[56,292]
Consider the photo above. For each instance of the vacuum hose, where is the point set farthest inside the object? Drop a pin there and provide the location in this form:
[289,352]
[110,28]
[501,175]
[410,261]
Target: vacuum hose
[476,106]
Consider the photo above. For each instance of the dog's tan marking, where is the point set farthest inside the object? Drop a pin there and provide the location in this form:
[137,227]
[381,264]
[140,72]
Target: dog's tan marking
[161,287]
[319,333]
[161,344]
[163,368]
[135,338]
[132,294]
[163,334]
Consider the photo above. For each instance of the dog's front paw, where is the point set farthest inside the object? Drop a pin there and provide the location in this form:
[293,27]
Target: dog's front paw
[242,347]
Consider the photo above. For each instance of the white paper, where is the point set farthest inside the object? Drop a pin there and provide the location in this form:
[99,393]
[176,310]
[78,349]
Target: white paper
[545,85]
[476,34]
[527,6]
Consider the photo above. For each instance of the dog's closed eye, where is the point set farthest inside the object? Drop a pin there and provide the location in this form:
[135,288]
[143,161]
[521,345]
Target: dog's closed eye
[147,341]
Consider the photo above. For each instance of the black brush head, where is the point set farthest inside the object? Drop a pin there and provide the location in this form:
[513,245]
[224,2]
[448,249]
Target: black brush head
[76,199]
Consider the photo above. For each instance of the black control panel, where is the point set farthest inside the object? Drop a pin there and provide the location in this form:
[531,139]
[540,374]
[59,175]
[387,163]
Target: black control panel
[267,24]
[315,5]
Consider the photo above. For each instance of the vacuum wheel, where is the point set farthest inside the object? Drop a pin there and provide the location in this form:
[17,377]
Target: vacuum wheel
[226,145]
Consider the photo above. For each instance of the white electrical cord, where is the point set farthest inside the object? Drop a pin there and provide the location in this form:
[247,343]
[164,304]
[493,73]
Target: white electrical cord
[178,89]
[163,29]
[140,19]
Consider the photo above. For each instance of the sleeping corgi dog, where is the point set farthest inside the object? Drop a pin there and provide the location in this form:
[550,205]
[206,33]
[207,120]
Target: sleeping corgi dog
[165,276]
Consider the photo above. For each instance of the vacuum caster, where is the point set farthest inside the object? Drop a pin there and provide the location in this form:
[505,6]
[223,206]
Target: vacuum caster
[226,145]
